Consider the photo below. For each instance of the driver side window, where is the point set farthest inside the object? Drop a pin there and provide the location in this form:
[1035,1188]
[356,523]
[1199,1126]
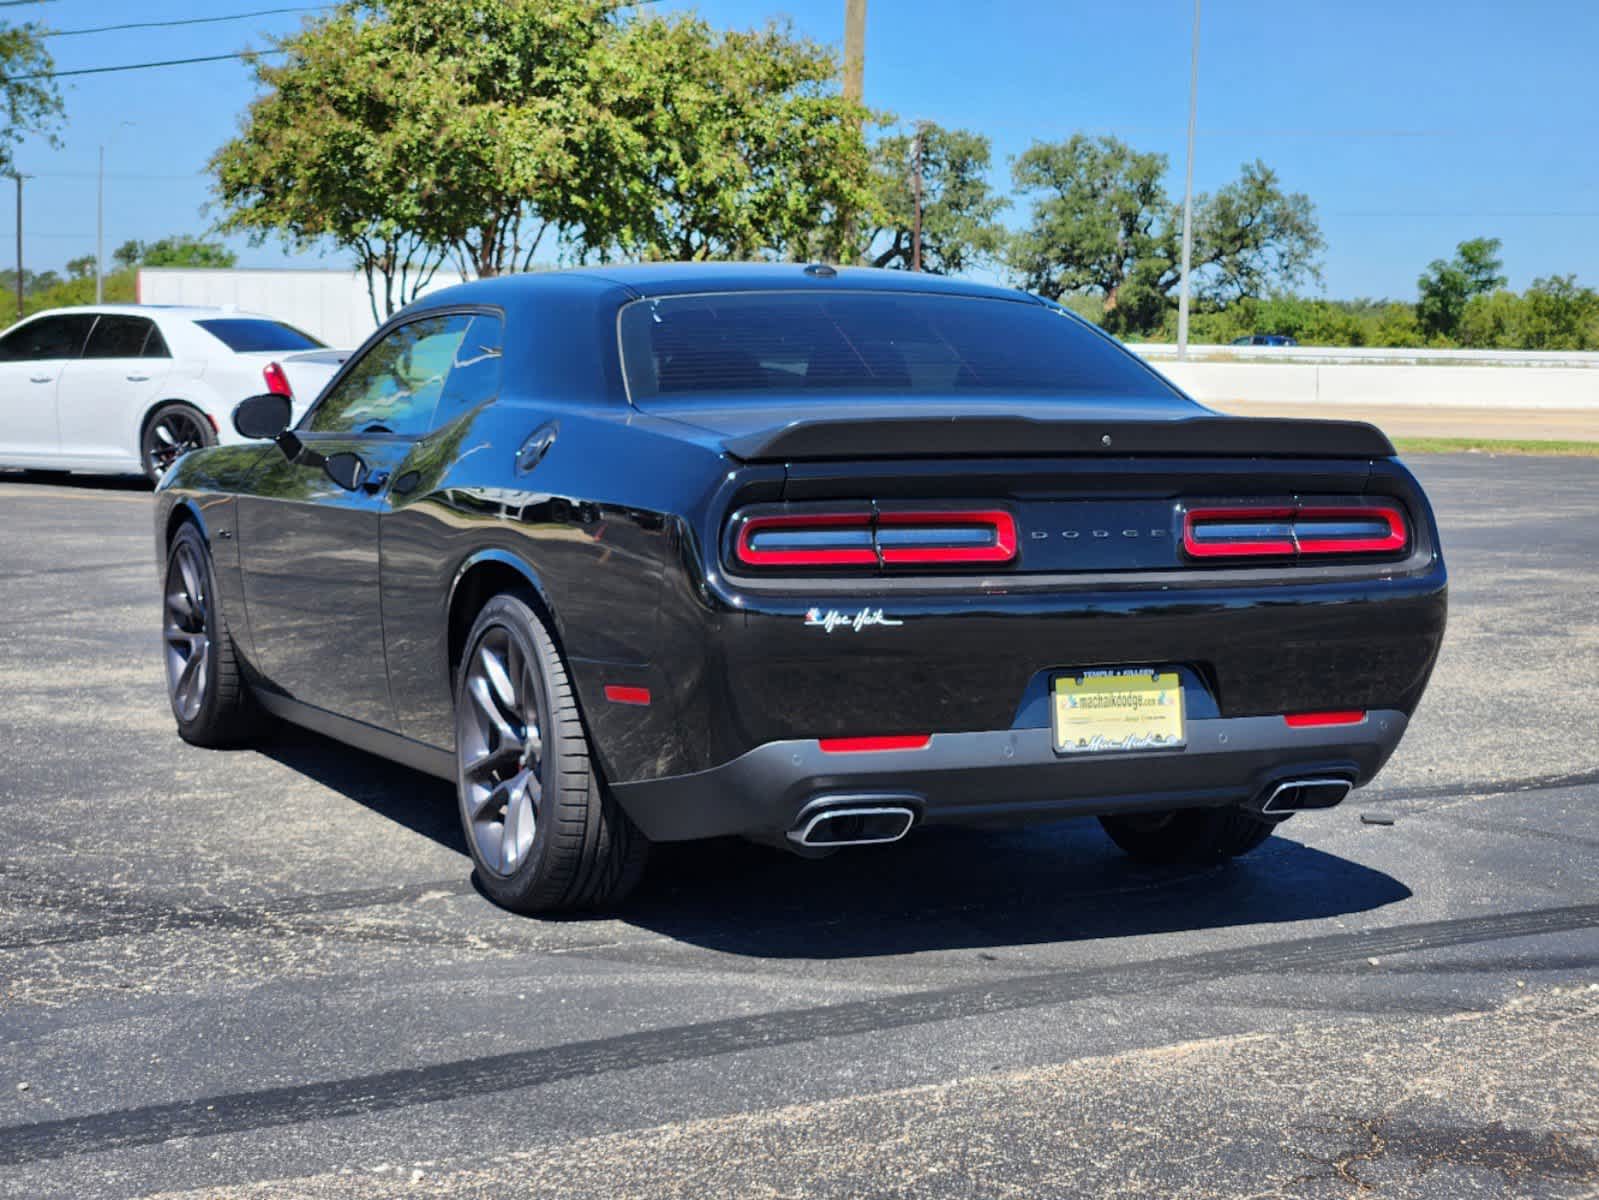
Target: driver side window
[395,386]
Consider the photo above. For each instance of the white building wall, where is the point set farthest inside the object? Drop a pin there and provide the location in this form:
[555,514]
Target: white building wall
[330,305]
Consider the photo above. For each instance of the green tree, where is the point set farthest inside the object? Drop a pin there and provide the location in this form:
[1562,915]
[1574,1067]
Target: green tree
[327,157]
[28,106]
[1560,315]
[729,145]
[178,250]
[960,227]
[1447,286]
[1102,223]
[81,267]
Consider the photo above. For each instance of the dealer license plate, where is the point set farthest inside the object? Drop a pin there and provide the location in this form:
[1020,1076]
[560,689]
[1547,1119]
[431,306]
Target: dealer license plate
[1111,710]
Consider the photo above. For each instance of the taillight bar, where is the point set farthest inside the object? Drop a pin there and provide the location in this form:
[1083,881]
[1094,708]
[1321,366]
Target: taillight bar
[1314,529]
[808,540]
[946,537]
[862,539]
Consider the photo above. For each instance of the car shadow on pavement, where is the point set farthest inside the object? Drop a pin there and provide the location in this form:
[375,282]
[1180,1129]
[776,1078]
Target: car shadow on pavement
[411,799]
[99,483]
[944,889]
[940,889]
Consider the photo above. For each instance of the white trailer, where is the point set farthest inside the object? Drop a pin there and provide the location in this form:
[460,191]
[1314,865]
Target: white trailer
[332,306]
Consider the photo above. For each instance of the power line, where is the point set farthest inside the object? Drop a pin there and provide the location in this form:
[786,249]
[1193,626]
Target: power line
[260,12]
[144,66]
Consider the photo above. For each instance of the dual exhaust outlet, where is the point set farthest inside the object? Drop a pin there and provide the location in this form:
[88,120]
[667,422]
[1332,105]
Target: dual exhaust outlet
[1299,795]
[874,820]
[853,821]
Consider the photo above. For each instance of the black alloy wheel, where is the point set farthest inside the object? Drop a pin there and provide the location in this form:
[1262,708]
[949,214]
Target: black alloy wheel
[543,830]
[171,432]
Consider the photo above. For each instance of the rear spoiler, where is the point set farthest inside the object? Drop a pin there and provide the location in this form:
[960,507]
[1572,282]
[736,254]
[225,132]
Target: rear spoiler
[1006,437]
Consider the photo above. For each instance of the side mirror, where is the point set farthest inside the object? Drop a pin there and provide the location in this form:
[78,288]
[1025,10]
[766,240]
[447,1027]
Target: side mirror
[263,416]
[345,469]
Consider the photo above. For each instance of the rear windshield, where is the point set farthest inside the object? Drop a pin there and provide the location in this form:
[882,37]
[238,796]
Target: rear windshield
[884,343]
[248,335]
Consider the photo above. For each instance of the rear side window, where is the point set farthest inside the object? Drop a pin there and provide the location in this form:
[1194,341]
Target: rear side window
[395,386]
[117,336]
[48,337]
[252,335]
[475,372]
[879,343]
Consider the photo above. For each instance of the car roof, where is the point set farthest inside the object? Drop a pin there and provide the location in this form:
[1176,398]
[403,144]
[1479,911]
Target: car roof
[676,279]
[192,312]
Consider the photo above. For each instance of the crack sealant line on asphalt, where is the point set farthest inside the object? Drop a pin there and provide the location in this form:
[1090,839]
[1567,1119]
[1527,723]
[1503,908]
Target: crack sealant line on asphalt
[475,1077]
[241,916]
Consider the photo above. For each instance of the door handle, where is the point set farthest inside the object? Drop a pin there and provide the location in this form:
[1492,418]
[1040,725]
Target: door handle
[138,378]
[41,378]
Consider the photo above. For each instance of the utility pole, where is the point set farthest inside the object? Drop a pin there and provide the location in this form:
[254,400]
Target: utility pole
[854,89]
[1188,194]
[854,49]
[916,191]
[17,175]
[99,232]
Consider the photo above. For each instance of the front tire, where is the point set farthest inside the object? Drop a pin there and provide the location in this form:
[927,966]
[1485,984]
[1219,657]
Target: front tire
[207,690]
[171,432]
[1188,835]
[544,832]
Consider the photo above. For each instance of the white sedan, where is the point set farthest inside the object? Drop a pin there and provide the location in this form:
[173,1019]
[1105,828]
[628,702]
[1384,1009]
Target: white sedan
[120,388]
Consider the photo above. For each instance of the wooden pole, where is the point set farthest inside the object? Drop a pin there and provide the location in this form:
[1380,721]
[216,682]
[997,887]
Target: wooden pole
[18,176]
[854,89]
[916,191]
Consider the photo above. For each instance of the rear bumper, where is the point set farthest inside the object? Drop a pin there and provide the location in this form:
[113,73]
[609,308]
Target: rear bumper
[1009,775]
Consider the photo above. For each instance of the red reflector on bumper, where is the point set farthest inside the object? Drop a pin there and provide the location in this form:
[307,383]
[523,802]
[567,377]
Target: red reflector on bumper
[626,695]
[914,741]
[1350,716]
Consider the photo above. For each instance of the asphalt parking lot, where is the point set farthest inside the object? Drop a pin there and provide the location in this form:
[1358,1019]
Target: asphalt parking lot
[267,973]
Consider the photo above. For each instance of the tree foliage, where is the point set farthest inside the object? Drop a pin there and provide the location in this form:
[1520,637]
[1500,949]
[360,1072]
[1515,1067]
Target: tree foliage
[412,131]
[728,145]
[960,210]
[1555,313]
[1446,286]
[176,250]
[1102,223]
[28,107]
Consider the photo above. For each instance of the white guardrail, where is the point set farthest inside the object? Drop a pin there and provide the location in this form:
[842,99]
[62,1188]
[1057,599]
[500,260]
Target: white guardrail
[1330,376]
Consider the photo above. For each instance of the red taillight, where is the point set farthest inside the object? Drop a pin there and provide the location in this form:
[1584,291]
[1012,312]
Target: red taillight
[857,745]
[1310,720]
[1238,532]
[808,540]
[276,381]
[946,537]
[617,694]
[866,539]
[1361,529]
[1244,532]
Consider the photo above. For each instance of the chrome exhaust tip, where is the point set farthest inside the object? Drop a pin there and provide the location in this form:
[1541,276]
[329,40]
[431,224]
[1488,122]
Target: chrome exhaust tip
[853,821]
[1298,795]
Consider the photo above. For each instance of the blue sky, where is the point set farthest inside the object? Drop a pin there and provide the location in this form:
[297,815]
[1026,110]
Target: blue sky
[1412,125]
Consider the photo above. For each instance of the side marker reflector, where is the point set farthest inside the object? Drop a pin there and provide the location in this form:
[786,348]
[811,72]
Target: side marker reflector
[1349,716]
[626,695]
[856,745]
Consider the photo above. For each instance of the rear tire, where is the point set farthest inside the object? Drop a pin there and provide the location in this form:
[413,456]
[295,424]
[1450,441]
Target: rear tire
[207,690]
[1188,835]
[170,432]
[544,832]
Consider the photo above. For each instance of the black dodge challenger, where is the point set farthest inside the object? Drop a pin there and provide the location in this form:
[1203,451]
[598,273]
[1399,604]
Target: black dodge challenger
[807,555]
